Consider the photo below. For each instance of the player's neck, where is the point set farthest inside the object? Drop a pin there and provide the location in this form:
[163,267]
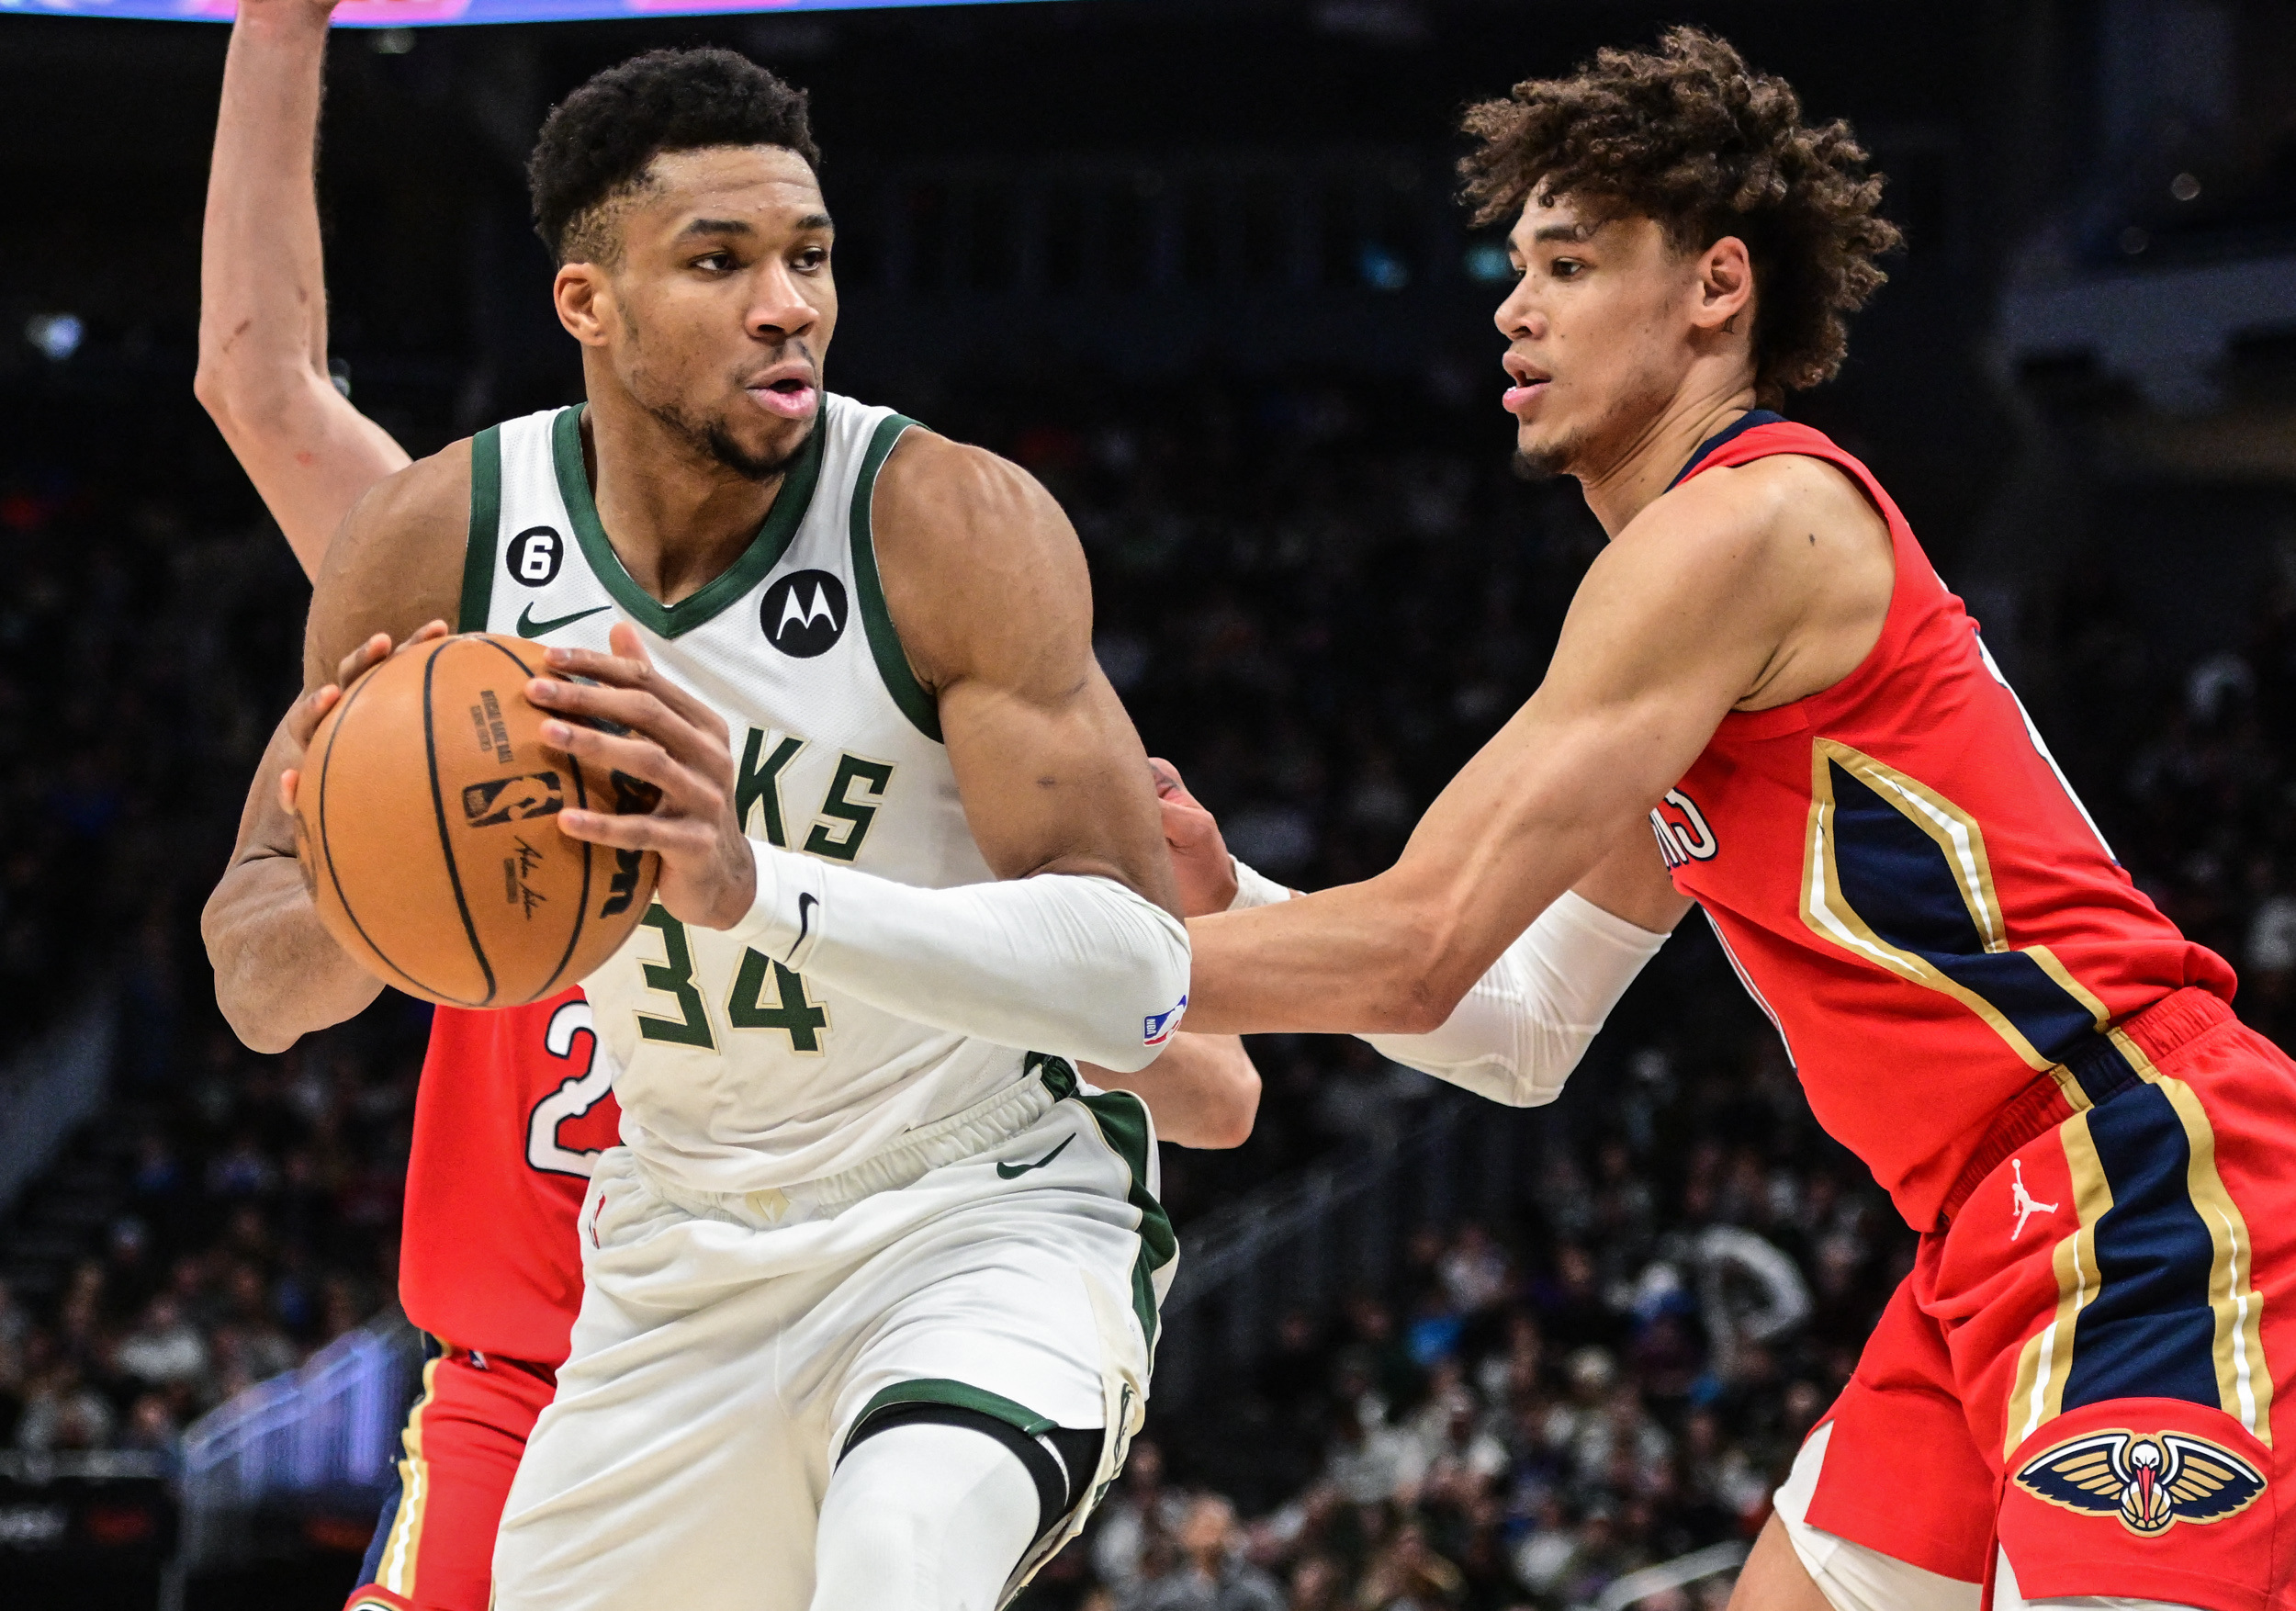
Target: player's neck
[1628,478]
[677,520]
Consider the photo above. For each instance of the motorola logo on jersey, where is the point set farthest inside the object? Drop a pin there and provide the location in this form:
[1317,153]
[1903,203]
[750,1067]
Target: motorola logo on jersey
[535,555]
[804,613]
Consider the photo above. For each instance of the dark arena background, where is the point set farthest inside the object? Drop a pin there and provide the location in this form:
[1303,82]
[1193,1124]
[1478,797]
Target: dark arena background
[1198,265]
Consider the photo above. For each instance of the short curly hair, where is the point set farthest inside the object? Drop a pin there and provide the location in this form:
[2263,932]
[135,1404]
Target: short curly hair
[1690,137]
[598,144]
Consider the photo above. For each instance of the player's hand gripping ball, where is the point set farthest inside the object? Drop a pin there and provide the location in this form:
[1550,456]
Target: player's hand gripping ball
[423,820]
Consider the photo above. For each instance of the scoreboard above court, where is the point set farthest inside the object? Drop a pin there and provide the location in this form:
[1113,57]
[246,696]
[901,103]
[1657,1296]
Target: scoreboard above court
[422,13]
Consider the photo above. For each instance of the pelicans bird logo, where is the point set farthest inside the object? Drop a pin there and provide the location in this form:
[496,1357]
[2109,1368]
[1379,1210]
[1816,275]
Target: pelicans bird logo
[2151,1480]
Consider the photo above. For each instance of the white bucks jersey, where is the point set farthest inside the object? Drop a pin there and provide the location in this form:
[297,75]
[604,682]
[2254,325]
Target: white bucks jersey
[735,1074]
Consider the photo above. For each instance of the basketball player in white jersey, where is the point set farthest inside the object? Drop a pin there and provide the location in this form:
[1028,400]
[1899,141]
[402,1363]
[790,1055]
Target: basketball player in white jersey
[871,1291]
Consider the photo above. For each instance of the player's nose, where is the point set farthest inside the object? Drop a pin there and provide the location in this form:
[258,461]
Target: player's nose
[1516,317]
[779,309]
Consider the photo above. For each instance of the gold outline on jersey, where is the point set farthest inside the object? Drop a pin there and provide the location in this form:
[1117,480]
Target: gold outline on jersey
[2041,1372]
[1961,841]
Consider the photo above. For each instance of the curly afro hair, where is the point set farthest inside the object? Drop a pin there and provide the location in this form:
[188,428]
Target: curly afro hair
[1690,136]
[598,144]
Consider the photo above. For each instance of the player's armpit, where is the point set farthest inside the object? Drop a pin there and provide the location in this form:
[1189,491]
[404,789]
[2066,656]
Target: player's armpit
[987,587]
[1675,622]
[1203,1092]
[396,567]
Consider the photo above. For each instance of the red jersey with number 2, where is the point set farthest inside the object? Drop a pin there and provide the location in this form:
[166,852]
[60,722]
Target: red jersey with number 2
[1907,884]
[514,1107]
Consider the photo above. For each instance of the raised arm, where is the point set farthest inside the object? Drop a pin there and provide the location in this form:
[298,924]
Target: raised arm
[392,575]
[263,298]
[1711,597]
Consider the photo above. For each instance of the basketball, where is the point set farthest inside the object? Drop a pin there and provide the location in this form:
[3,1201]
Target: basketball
[422,823]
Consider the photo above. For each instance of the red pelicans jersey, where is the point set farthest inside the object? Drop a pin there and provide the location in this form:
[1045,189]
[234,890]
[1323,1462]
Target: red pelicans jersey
[513,1108]
[1910,890]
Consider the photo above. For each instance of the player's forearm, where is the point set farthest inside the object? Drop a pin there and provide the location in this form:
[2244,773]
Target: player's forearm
[1203,1092]
[278,974]
[1084,966]
[1519,1031]
[262,290]
[262,314]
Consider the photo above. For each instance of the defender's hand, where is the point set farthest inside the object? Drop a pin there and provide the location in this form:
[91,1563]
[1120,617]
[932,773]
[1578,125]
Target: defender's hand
[709,875]
[1199,856]
[305,714]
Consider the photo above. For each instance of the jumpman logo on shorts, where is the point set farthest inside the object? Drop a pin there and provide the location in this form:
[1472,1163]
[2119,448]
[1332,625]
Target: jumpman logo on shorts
[2022,1200]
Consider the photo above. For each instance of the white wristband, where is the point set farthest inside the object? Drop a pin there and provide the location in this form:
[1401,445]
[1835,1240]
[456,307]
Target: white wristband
[1254,889]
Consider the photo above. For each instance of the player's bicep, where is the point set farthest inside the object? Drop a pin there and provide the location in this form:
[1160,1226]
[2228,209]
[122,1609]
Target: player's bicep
[1631,881]
[1057,784]
[988,588]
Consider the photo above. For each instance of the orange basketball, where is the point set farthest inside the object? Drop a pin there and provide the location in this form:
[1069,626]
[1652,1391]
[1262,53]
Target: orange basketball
[423,821]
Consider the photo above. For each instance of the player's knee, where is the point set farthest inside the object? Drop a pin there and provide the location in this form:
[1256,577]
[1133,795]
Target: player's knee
[923,1517]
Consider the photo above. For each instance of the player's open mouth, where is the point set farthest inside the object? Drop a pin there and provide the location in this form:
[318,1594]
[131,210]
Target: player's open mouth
[1530,385]
[791,396]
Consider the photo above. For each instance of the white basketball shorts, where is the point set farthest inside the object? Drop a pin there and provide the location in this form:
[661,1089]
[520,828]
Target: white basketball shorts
[1009,1258]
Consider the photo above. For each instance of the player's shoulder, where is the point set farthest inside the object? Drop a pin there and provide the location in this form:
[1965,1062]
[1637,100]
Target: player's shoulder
[978,561]
[1734,517]
[412,508]
[1775,492]
[397,563]
[942,484]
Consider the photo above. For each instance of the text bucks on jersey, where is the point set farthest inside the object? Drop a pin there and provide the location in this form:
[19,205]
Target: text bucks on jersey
[735,1074]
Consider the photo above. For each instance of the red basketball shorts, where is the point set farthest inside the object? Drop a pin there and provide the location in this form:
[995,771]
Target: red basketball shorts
[2088,1366]
[433,1547]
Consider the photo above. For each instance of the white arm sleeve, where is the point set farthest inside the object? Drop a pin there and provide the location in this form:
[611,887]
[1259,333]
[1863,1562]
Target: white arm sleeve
[1519,1032]
[1081,965]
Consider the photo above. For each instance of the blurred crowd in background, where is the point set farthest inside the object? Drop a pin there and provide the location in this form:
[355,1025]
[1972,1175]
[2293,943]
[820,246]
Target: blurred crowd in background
[1317,598]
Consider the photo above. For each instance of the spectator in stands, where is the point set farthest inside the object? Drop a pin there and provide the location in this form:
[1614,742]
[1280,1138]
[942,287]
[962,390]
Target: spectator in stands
[1210,1572]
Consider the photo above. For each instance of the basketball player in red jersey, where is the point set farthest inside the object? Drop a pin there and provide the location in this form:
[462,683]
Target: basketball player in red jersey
[513,1106]
[2077,1391]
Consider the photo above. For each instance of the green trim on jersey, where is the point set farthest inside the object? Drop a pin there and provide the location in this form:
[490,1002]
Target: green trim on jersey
[957,1394]
[1122,1118]
[756,560]
[884,641]
[486,524]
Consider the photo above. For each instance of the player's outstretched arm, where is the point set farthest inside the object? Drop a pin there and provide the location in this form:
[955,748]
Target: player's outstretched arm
[391,577]
[1077,949]
[1203,1092]
[263,297]
[1691,609]
[1521,1029]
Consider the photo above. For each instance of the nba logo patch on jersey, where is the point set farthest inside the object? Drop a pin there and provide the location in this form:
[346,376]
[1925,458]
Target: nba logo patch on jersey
[2151,1481]
[1156,1030]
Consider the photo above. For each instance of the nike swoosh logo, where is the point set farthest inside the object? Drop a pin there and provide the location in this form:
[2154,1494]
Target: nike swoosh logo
[805,903]
[530,628]
[1014,1171]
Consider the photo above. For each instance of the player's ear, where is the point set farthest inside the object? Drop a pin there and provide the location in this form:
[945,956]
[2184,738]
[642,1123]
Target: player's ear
[583,293]
[1725,284]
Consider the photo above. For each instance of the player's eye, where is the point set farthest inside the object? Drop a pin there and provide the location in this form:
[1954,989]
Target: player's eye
[812,257]
[1566,268]
[720,261]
